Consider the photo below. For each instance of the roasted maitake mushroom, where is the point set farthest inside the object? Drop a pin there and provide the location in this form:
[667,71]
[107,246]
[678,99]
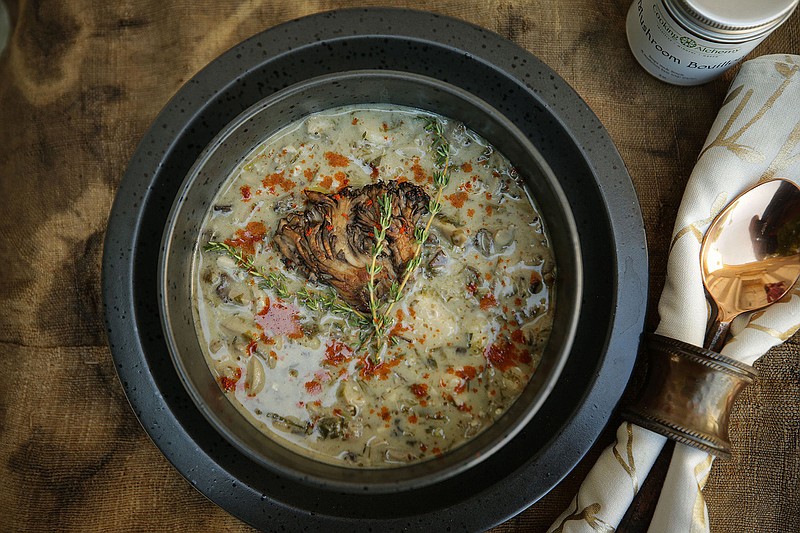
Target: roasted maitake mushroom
[331,240]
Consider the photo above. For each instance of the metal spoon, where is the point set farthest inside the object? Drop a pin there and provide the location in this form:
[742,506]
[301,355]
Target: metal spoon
[750,254]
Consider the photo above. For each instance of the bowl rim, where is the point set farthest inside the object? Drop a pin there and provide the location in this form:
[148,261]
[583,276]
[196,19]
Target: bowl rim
[130,251]
[348,481]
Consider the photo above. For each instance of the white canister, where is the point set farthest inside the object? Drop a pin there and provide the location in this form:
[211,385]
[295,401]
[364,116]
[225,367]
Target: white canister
[689,42]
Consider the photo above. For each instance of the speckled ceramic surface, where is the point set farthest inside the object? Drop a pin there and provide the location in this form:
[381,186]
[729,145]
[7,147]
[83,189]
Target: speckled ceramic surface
[551,115]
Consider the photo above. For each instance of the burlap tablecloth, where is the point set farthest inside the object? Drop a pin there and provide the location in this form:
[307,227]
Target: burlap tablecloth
[79,84]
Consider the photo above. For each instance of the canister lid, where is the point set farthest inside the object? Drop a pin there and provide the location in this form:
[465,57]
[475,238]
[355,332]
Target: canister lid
[731,19]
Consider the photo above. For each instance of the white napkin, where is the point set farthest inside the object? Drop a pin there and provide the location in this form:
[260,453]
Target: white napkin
[756,137]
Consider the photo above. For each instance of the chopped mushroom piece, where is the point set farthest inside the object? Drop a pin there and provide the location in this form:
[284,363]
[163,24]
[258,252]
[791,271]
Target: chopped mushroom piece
[456,235]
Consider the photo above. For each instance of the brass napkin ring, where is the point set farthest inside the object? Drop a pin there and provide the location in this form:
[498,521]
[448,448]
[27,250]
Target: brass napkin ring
[689,393]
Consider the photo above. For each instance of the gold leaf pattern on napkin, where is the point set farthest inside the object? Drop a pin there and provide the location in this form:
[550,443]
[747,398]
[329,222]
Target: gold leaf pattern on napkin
[787,67]
[784,158]
[780,335]
[630,465]
[695,227]
[588,515]
[699,510]
[748,153]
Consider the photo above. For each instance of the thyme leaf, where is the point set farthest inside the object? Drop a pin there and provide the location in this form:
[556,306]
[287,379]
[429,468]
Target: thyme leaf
[440,147]
[276,281]
[379,319]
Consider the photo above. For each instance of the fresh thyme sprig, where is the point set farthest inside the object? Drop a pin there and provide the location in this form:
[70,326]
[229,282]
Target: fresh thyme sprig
[378,318]
[272,280]
[441,178]
[327,301]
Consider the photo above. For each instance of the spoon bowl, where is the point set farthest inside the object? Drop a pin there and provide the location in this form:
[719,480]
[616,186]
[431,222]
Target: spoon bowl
[750,255]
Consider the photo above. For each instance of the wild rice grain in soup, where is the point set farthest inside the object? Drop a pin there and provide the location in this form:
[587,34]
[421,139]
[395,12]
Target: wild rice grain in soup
[373,286]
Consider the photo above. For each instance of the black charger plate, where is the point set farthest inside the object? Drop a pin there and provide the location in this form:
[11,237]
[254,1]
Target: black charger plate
[554,118]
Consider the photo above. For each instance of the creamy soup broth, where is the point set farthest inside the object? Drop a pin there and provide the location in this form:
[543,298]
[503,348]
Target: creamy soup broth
[465,336]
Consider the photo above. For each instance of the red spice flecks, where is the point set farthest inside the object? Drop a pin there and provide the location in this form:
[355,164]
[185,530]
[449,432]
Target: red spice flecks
[337,411]
[518,337]
[313,386]
[472,288]
[337,353]
[422,447]
[327,182]
[336,160]
[245,190]
[458,199]
[437,451]
[466,167]
[412,419]
[247,238]
[279,318]
[229,384]
[341,177]
[368,369]
[420,390]
[309,174]
[355,121]
[419,173]
[373,172]
[489,210]
[488,301]
[505,355]
[398,327]
[466,373]
[251,348]
[277,180]
[470,213]
[385,414]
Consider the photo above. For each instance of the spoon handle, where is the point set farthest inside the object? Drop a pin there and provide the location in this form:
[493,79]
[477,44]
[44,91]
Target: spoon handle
[716,335]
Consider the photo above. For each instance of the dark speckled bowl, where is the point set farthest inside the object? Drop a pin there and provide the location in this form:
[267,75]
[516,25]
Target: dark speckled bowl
[572,142]
[238,140]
